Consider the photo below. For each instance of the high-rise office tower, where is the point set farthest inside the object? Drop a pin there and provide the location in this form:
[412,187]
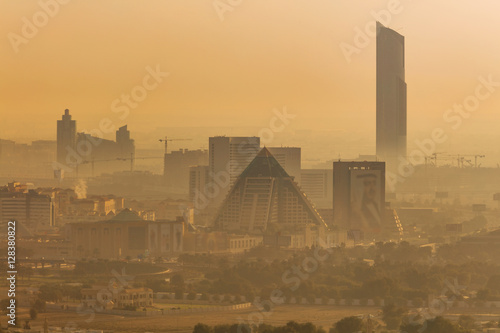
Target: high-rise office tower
[317,185]
[198,180]
[66,136]
[289,159]
[391,96]
[176,167]
[126,146]
[231,155]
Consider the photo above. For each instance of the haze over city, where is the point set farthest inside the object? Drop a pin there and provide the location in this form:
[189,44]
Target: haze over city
[230,74]
[237,166]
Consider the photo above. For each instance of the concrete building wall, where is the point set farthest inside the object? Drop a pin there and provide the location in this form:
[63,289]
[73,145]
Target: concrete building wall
[176,168]
[317,185]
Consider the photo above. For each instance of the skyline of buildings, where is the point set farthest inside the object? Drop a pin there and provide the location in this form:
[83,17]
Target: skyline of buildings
[191,173]
[308,199]
[77,148]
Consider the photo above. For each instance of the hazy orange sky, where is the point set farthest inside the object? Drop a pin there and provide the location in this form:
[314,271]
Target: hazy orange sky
[231,73]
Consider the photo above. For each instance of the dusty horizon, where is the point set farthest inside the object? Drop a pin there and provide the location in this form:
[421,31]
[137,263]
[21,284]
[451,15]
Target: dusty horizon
[230,67]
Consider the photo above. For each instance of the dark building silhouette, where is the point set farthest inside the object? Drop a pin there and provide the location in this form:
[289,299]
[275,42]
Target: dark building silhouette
[265,196]
[391,96]
[90,155]
[66,136]
[125,144]
[359,196]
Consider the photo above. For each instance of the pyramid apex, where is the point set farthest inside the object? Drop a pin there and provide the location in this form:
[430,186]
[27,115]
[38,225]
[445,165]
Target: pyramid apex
[264,152]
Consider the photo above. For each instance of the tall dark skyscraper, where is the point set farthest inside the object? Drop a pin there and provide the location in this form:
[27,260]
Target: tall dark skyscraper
[66,136]
[391,96]
[125,145]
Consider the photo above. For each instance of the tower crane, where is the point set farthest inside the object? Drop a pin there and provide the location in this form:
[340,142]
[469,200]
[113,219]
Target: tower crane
[461,159]
[132,158]
[166,140]
[475,159]
[433,157]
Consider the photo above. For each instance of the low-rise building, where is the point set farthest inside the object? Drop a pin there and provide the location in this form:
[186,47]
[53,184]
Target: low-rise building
[104,298]
[309,236]
[242,243]
[127,234]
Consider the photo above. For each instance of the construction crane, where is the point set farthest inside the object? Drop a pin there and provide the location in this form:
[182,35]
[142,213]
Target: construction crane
[131,159]
[433,157]
[166,140]
[475,159]
[93,161]
[461,159]
[452,158]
